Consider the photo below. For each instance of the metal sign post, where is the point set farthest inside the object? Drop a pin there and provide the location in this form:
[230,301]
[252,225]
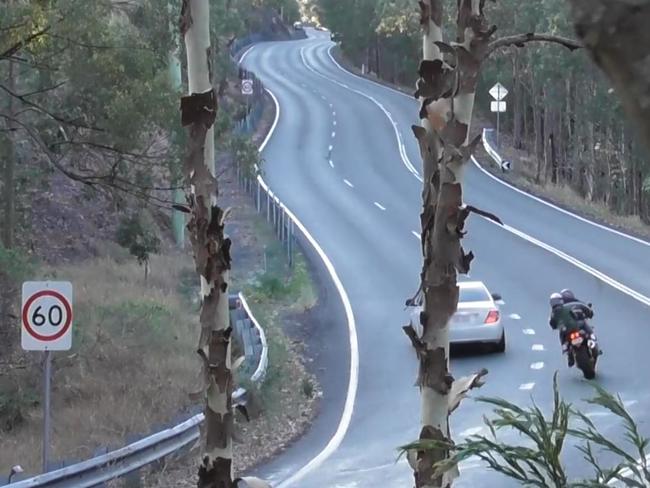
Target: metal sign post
[247,90]
[47,391]
[46,326]
[498,92]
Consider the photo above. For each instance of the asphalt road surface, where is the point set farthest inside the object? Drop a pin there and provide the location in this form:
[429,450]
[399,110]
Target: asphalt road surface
[334,159]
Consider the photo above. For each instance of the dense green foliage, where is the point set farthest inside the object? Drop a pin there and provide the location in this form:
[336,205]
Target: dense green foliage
[562,112]
[87,88]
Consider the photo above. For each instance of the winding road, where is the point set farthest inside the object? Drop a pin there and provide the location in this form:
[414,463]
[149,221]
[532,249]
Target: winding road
[342,157]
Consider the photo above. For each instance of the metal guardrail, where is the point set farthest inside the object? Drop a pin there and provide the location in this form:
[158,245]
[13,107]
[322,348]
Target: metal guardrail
[155,447]
[148,450]
[501,163]
[120,462]
[260,372]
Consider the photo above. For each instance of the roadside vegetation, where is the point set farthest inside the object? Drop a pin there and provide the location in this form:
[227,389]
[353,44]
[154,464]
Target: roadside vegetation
[567,136]
[91,146]
[129,368]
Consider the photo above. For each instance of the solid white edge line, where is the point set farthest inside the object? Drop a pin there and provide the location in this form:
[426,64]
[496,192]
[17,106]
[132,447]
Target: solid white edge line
[243,56]
[329,53]
[548,204]
[398,135]
[379,206]
[530,239]
[539,200]
[506,184]
[346,415]
[578,264]
[495,178]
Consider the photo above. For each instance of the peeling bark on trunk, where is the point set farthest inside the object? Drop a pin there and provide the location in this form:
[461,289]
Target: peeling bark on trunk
[210,246]
[446,89]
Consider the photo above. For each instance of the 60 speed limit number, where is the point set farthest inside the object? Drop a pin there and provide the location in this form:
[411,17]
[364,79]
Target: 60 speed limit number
[46,316]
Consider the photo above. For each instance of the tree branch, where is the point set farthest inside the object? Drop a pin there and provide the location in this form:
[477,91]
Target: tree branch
[42,90]
[96,46]
[23,42]
[520,39]
[108,180]
[39,108]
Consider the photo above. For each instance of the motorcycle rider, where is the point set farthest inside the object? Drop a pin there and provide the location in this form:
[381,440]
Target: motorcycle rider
[569,314]
[561,317]
[580,311]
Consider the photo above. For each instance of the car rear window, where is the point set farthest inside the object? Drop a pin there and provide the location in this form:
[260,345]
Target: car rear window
[473,294]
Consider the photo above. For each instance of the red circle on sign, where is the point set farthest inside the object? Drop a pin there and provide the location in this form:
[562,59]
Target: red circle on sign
[68,319]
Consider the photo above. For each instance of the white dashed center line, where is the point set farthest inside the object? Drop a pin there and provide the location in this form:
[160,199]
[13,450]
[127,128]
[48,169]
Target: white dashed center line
[331,147]
[379,206]
[526,386]
[331,163]
[514,316]
[334,122]
[416,234]
[537,365]
[333,134]
[538,347]
[529,331]
[348,183]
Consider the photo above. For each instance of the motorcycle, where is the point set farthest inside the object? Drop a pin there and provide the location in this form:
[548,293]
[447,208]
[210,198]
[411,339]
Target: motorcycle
[584,347]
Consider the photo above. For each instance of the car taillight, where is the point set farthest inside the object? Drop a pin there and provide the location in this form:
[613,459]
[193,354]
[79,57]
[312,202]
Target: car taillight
[492,317]
[574,335]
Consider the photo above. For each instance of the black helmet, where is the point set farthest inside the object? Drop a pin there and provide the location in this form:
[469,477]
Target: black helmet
[567,295]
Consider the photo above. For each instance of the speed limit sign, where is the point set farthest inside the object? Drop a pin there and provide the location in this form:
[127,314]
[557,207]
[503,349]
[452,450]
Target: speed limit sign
[47,316]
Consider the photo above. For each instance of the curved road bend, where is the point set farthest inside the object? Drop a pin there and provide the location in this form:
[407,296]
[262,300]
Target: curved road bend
[335,162]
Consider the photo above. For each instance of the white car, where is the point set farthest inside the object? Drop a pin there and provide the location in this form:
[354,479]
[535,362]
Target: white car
[477,318]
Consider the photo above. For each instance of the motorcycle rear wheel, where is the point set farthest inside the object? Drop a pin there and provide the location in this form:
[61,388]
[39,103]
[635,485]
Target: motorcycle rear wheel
[586,363]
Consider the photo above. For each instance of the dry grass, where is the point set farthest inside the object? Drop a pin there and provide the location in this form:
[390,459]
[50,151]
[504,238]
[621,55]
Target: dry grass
[131,365]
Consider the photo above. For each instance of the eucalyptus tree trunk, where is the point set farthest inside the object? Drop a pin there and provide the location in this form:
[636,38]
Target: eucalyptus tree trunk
[176,82]
[447,91]
[9,174]
[591,164]
[210,246]
[519,106]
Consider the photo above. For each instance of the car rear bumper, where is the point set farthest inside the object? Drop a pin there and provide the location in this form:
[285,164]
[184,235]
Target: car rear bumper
[475,333]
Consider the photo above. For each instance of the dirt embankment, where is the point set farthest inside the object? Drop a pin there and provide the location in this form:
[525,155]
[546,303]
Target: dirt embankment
[133,361]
